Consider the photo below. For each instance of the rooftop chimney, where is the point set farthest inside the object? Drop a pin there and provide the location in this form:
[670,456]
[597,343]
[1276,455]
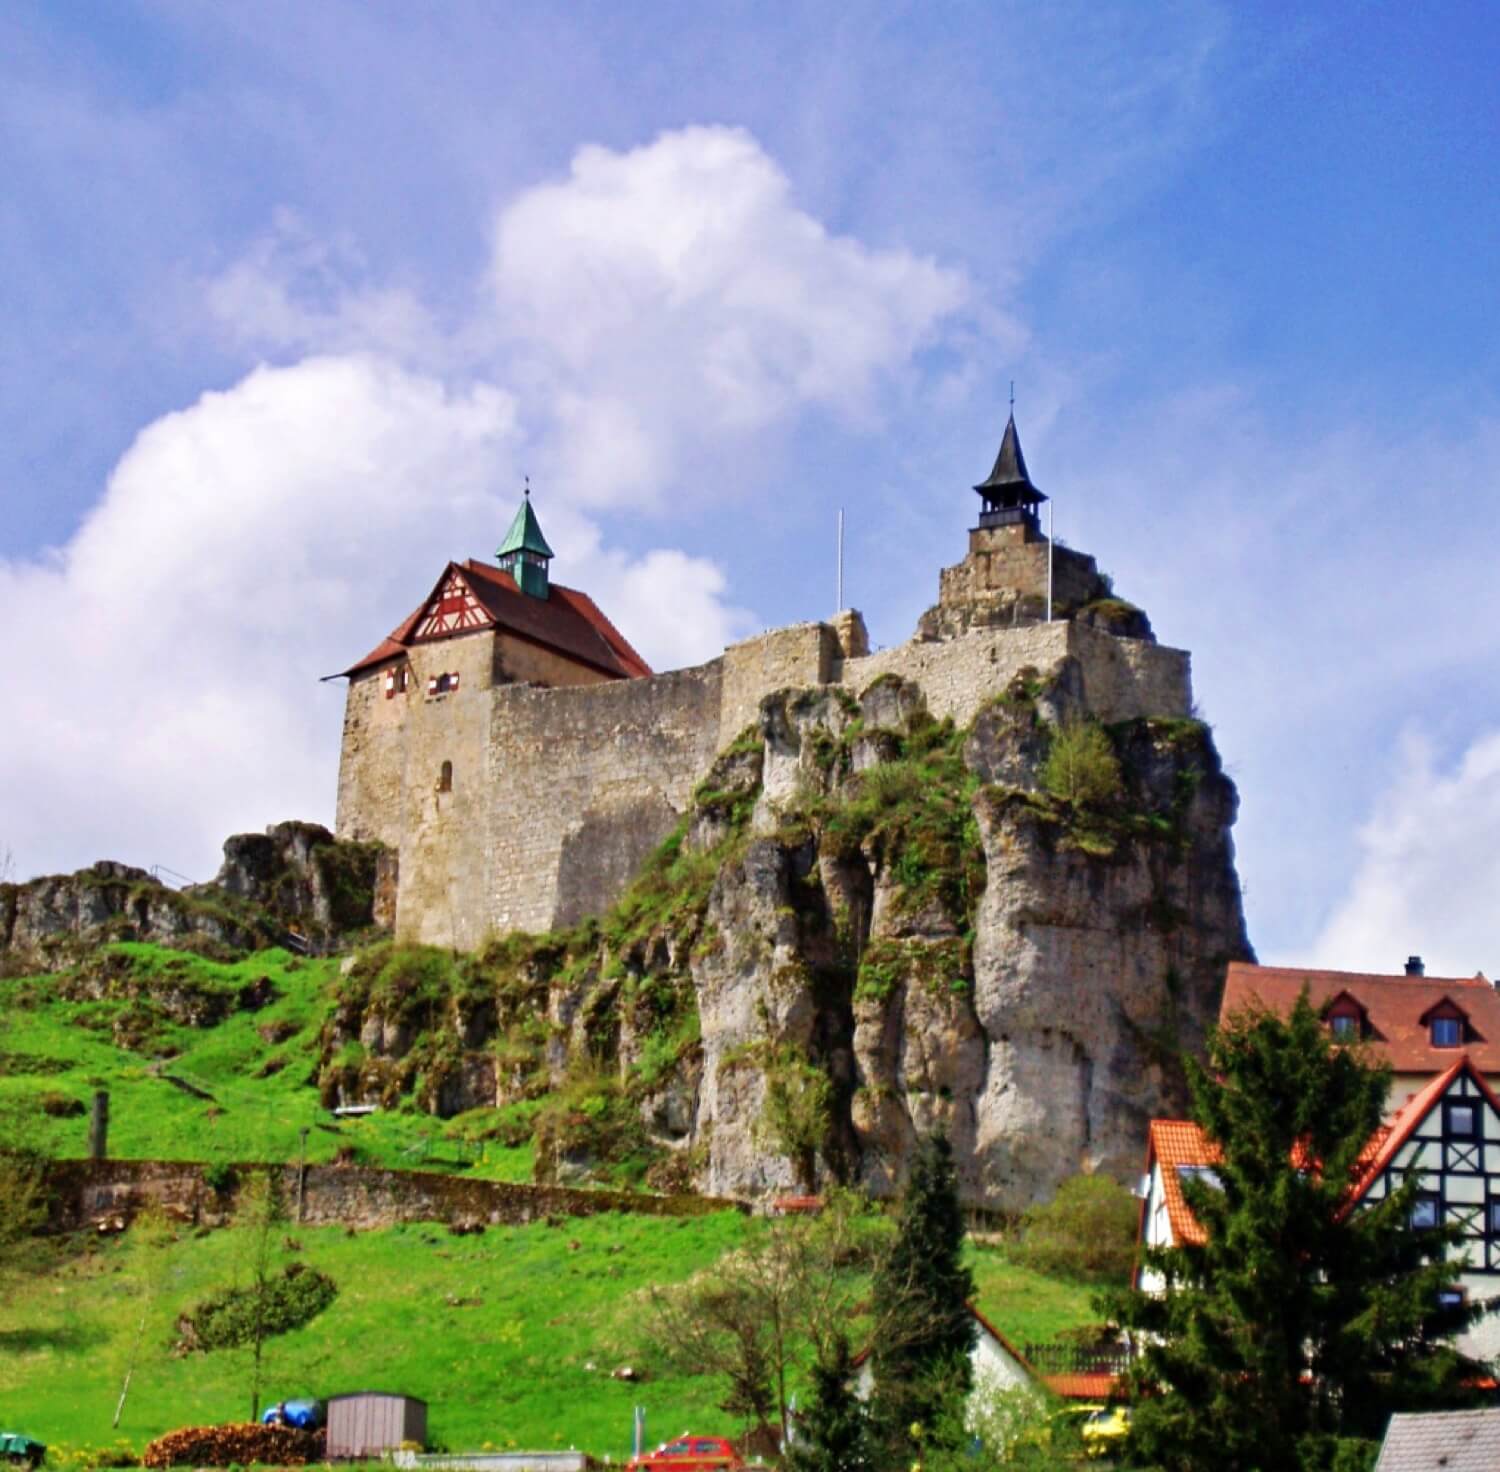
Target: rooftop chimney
[1414,966]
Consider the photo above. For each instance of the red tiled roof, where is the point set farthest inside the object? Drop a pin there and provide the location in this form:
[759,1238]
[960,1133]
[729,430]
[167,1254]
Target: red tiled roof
[1095,1385]
[1175,1143]
[1394,1007]
[567,621]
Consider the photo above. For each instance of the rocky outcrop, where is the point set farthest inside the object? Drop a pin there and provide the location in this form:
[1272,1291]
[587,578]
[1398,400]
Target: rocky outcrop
[294,880]
[870,924]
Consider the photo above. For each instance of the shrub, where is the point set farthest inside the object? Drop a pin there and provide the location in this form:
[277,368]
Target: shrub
[1081,768]
[1087,1231]
[293,1298]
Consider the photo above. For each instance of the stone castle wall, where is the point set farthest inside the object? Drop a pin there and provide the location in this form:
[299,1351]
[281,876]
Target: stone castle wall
[558,794]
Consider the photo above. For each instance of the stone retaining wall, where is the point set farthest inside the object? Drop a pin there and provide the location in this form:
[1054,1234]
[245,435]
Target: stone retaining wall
[86,1192]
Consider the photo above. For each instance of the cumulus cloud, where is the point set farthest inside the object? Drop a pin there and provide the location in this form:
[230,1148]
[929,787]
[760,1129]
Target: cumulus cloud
[270,533]
[674,295]
[1428,870]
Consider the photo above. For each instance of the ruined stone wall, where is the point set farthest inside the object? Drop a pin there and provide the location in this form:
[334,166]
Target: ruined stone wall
[582,784]
[802,655]
[1122,678]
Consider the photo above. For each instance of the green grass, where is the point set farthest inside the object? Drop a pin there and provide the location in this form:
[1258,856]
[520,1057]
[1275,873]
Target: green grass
[508,1364]
[53,1045]
[495,1331]
[1028,1307]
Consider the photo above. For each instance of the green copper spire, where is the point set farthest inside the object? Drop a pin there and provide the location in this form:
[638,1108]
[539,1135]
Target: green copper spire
[524,552]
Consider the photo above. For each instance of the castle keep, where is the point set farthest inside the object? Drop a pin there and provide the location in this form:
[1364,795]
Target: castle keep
[519,758]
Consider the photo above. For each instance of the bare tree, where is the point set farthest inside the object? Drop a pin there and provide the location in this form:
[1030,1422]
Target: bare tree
[150,1235]
[260,1214]
[763,1314]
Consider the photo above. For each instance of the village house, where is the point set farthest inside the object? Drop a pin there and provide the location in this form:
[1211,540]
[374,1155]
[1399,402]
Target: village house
[998,1365]
[1418,1024]
[1447,1134]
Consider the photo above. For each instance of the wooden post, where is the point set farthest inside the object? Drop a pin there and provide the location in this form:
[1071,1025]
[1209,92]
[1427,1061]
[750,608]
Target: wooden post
[99,1127]
[301,1174]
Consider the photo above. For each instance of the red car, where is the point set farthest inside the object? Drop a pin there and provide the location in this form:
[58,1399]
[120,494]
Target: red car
[689,1454]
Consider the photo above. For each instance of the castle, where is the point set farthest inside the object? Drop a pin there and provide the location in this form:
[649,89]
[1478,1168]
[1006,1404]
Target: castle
[519,759]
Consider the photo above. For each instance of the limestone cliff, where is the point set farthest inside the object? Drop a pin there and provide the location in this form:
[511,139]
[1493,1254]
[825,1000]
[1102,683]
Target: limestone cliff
[869,923]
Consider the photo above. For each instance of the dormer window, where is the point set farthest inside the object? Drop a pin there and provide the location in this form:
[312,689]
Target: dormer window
[1448,1025]
[1345,1018]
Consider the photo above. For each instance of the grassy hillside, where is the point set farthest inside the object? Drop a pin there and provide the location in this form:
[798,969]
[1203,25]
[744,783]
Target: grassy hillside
[510,1336]
[257,1064]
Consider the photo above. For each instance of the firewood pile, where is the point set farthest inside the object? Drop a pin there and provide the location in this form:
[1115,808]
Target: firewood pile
[224,1446]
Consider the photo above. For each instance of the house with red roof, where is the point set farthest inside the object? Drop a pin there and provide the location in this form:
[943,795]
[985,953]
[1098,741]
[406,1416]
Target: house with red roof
[1418,1024]
[998,1364]
[1447,1135]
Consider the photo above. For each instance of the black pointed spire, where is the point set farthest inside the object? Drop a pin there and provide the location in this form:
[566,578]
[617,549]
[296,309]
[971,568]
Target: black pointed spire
[1010,472]
[1008,493]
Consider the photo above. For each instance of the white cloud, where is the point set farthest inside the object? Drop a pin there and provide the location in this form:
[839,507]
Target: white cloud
[165,664]
[1428,870]
[673,299]
[167,658]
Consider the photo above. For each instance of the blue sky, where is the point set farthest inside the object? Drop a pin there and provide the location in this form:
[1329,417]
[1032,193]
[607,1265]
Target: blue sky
[294,294]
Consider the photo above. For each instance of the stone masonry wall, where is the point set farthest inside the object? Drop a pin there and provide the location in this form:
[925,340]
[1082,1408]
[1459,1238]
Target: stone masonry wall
[442,871]
[582,784]
[87,1191]
[560,794]
[1123,678]
[801,655]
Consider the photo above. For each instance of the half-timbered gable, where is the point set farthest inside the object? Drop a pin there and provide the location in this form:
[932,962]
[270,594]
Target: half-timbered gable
[1447,1136]
[452,609]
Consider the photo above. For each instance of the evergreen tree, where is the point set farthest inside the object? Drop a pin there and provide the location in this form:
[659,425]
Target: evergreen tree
[1298,1322]
[833,1434]
[924,1331]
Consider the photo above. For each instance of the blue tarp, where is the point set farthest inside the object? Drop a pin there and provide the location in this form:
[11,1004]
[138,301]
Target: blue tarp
[306,1415]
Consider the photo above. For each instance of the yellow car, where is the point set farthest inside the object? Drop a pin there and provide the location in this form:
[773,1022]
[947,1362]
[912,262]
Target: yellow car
[1104,1430]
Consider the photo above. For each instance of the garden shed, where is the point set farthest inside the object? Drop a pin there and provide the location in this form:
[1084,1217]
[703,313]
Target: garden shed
[365,1423]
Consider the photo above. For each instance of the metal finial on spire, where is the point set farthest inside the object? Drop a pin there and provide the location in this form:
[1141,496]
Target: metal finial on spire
[1013,398]
[527,478]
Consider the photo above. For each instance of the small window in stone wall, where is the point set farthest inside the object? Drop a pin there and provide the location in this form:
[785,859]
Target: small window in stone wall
[396,681]
[445,777]
[442,684]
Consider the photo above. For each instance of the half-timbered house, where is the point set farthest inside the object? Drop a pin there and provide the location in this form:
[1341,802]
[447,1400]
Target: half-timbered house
[1447,1135]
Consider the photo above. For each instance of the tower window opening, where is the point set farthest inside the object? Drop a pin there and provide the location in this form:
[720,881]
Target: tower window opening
[445,777]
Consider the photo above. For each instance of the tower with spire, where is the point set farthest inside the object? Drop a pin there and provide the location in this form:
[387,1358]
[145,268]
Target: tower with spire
[1009,497]
[1014,574]
[523,552]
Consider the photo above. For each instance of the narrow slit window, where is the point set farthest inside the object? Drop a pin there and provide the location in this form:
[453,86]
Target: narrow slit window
[445,777]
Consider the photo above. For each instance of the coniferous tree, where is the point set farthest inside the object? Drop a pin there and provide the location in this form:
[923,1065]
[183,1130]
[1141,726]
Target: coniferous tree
[1299,1321]
[924,1330]
[833,1434]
